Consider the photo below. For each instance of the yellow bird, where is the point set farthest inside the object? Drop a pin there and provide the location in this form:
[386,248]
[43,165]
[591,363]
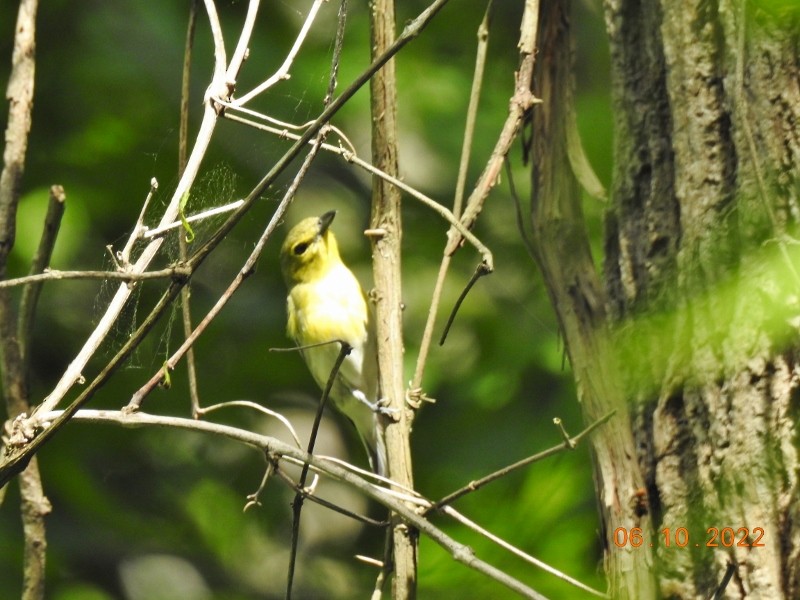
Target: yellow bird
[326,304]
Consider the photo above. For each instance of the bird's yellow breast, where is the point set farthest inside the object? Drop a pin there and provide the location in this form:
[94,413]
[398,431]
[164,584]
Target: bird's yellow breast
[330,307]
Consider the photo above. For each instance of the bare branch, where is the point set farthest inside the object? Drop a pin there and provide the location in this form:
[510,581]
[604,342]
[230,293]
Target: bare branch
[386,261]
[211,212]
[472,109]
[451,512]
[30,294]
[176,272]
[183,144]
[568,444]
[297,503]
[277,450]
[73,371]
[479,272]
[351,157]
[283,71]
[244,272]
[240,53]
[521,101]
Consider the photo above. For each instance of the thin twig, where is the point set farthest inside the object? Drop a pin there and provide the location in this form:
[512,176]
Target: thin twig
[469,132]
[240,53]
[283,71]
[183,131]
[123,257]
[305,494]
[211,212]
[719,593]
[176,272]
[479,483]
[183,144]
[451,512]
[219,83]
[521,102]
[444,266]
[255,406]
[523,232]
[351,157]
[253,499]
[30,294]
[480,271]
[297,503]
[472,109]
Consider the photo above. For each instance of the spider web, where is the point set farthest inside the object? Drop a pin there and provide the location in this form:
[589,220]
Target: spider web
[216,187]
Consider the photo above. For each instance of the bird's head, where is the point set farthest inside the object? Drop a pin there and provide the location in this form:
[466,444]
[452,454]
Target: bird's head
[309,250]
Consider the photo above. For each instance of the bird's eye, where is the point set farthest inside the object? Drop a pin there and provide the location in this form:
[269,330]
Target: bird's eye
[300,248]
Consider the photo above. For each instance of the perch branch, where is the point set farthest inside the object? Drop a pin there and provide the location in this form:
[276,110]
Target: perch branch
[277,450]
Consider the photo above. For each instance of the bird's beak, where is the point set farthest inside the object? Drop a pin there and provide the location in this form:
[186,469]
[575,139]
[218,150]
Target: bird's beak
[325,221]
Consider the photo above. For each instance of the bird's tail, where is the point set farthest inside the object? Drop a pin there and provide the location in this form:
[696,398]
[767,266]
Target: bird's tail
[372,436]
[376,449]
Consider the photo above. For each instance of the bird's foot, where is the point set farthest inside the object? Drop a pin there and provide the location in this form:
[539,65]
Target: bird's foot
[381,408]
[377,407]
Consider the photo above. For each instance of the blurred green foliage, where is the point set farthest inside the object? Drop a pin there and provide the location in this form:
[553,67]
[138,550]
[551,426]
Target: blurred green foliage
[132,505]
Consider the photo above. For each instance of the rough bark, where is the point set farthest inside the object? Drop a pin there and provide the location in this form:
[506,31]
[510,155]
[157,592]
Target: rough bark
[562,252]
[34,505]
[388,292]
[703,284]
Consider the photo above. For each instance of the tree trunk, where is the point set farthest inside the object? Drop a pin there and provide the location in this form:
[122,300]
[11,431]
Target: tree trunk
[703,284]
[562,251]
[701,292]
[387,296]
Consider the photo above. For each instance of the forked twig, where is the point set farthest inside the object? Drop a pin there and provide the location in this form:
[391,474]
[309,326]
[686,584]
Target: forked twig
[479,483]
[283,71]
[73,372]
